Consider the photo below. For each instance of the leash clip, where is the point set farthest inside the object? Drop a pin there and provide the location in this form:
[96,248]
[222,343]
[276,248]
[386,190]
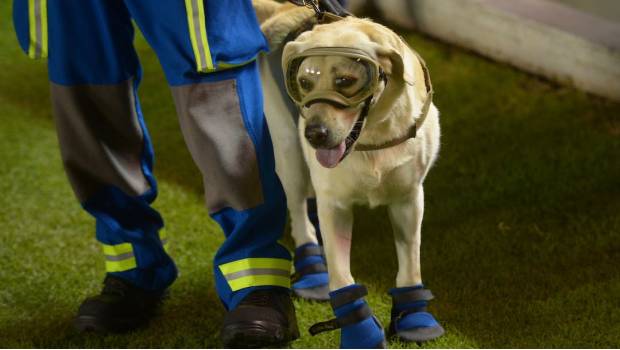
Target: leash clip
[312,4]
[331,10]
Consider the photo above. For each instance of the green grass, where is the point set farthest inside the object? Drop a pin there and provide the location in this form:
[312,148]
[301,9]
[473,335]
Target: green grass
[521,238]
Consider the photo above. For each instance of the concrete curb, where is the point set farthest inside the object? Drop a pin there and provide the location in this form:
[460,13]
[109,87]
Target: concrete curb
[539,36]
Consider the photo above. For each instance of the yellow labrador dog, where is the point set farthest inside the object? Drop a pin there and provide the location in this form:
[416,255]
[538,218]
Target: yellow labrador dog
[349,107]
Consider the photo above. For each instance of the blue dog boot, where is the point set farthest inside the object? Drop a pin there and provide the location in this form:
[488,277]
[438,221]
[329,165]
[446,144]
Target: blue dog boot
[310,280]
[359,328]
[410,320]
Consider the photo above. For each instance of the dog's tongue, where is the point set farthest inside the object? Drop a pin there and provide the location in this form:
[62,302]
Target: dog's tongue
[329,158]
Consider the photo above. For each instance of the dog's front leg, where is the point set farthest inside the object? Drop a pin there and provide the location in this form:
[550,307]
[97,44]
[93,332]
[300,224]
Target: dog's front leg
[359,328]
[406,218]
[336,224]
[410,319]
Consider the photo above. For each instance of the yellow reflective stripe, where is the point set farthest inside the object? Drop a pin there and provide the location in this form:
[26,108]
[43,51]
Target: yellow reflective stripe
[43,28]
[192,31]
[122,265]
[259,280]
[203,35]
[37,24]
[117,249]
[119,257]
[255,263]
[33,29]
[198,35]
[225,65]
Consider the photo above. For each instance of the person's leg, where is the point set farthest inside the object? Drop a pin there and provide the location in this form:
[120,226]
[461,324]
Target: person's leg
[94,73]
[204,47]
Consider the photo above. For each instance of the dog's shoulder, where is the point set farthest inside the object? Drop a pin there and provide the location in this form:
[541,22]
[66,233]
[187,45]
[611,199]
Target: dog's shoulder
[278,22]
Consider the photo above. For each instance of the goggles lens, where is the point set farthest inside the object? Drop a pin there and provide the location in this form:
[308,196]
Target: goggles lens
[349,80]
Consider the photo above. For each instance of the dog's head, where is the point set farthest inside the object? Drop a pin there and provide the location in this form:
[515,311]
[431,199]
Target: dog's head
[342,76]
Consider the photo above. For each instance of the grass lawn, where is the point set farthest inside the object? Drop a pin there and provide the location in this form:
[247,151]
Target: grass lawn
[521,238]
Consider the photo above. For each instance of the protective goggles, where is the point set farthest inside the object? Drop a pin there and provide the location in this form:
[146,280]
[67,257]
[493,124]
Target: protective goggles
[341,75]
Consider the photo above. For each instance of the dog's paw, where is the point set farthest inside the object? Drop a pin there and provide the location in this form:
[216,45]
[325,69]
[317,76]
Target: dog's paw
[410,320]
[359,328]
[310,280]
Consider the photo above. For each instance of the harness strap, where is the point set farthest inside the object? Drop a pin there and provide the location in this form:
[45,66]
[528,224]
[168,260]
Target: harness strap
[412,296]
[310,250]
[348,296]
[411,134]
[307,270]
[358,315]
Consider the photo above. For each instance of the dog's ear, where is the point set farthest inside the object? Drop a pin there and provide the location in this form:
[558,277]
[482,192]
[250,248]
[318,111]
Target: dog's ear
[402,66]
[390,52]
[391,62]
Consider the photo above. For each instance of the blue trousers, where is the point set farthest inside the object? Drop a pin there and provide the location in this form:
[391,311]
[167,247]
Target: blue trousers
[207,50]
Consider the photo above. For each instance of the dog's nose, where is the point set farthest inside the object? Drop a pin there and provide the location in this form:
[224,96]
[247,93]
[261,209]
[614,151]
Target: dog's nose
[316,134]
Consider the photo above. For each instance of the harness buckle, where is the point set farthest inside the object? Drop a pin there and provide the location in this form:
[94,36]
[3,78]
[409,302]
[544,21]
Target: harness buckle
[312,4]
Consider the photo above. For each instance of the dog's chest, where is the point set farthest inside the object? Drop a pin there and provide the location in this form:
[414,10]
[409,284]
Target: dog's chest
[382,181]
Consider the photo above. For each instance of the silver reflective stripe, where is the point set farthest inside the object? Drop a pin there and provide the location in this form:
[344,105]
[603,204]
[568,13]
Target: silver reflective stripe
[101,140]
[38,29]
[212,124]
[199,38]
[250,272]
[119,257]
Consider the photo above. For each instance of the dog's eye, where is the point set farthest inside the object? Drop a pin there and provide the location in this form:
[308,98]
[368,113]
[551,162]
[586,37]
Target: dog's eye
[345,82]
[306,84]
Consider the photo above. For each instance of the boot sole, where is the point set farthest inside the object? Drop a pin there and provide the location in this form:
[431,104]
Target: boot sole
[418,335]
[257,335]
[92,324]
[320,293]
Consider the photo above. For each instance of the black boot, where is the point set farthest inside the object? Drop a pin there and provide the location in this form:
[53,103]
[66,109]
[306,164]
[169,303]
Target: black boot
[264,318]
[119,308]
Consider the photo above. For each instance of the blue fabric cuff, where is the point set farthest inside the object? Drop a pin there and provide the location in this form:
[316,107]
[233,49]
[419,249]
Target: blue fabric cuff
[396,291]
[312,280]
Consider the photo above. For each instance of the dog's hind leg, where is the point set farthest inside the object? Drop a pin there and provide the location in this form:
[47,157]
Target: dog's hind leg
[310,280]
[410,320]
